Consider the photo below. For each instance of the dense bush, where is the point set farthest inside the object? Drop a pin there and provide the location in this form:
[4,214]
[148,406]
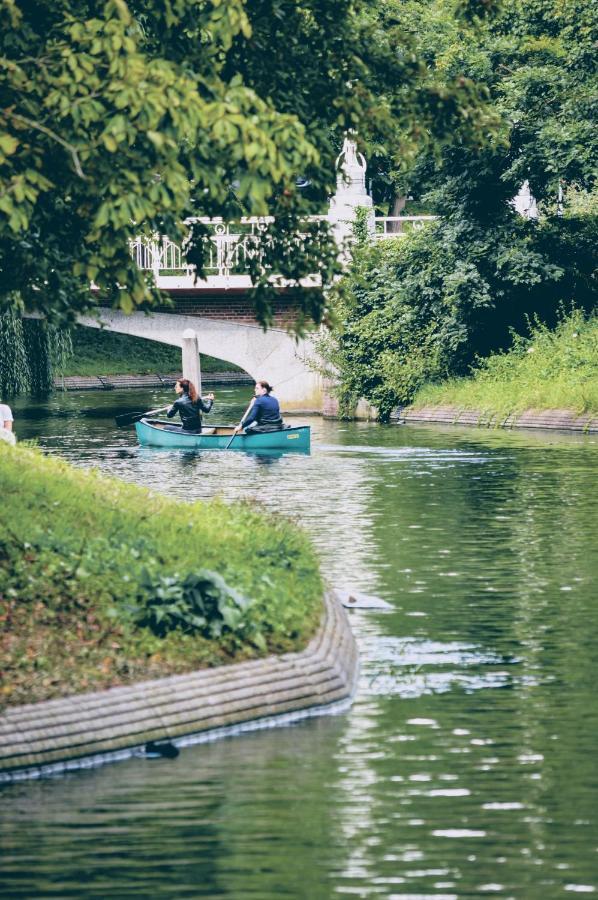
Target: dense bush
[422,308]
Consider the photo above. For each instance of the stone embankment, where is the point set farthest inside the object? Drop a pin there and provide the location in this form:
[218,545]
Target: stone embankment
[112,382]
[88,729]
[561,419]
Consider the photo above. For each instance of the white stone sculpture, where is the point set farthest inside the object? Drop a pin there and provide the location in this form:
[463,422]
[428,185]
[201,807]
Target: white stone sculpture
[351,192]
[525,203]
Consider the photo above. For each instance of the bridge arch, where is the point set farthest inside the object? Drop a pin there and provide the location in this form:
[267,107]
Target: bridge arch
[274,354]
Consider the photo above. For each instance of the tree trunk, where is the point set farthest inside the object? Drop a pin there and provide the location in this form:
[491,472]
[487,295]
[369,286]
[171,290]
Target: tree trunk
[395,209]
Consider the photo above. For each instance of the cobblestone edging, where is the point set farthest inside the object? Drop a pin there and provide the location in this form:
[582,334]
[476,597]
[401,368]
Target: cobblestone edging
[87,729]
[112,382]
[562,419]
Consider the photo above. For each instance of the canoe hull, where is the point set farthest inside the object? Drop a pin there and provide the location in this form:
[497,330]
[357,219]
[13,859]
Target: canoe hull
[151,434]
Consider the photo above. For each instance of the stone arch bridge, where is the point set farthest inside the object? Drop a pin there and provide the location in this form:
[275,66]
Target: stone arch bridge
[224,327]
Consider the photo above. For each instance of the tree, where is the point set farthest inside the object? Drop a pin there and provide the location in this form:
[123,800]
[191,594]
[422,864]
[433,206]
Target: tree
[30,351]
[536,62]
[424,309]
[123,118]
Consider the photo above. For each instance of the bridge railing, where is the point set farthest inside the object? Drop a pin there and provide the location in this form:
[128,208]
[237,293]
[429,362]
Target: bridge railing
[158,254]
[233,245]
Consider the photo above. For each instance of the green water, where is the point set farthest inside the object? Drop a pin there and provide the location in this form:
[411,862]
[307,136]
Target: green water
[467,766]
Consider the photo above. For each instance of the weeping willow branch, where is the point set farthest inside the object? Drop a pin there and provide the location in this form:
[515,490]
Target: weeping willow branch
[30,352]
[14,368]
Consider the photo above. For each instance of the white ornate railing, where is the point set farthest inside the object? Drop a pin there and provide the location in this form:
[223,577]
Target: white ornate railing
[232,245]
[158,254]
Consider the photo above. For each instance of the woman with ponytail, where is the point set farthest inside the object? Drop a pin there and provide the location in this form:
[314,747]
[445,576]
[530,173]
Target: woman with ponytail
[189,406]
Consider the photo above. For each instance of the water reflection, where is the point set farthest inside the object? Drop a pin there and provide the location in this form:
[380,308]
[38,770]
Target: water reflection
[466,766]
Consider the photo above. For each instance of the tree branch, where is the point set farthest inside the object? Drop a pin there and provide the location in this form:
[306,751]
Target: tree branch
[51,134]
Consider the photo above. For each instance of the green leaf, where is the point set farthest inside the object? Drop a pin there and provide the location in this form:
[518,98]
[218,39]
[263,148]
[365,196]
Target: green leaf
[8,144]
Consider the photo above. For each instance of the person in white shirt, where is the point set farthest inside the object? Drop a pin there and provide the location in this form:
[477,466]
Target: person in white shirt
[6,420]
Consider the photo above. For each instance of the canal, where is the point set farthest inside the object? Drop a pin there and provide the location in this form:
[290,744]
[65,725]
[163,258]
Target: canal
[467,764]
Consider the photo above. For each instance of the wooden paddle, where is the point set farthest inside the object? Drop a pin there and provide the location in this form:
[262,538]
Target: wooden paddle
[242,417]
[131,418]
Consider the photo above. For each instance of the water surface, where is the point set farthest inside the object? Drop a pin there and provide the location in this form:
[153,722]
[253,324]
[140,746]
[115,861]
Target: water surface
[467,765]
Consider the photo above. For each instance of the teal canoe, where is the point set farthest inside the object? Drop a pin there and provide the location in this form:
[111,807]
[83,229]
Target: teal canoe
[151,433]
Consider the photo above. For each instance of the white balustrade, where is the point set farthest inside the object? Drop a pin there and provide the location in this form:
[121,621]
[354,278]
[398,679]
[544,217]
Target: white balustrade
[233,245]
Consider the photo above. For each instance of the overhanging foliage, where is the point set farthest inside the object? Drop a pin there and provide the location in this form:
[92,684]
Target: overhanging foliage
[125,118]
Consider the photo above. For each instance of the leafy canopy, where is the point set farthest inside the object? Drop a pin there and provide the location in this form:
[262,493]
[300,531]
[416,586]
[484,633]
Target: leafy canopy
[123,118]
[535,59]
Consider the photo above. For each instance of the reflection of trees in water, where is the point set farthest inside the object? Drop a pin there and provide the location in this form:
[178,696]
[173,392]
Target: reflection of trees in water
[250,817]
[136,826]
[504,554]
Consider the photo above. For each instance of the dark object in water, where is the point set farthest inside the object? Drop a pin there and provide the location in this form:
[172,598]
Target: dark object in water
[155,750]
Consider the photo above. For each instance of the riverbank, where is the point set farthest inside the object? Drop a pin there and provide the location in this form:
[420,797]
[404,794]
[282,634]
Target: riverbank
[113,382]
[546,380]
[549,419]
[107,584]
[93,728]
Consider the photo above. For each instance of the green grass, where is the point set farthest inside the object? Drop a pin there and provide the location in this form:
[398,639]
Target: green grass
[99,352]
[74,547]
[551,369]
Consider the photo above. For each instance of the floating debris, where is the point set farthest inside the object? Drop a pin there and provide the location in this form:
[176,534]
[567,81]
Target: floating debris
[355,600]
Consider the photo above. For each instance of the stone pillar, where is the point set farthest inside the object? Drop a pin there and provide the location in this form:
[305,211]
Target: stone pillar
[191,367]
[351,193]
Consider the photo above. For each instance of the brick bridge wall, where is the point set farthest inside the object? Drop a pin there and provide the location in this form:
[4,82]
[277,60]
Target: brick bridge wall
[230,306]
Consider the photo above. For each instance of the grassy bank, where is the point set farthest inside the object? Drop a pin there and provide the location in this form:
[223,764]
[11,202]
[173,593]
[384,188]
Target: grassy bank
[98,352]
[550,369]
[104,583]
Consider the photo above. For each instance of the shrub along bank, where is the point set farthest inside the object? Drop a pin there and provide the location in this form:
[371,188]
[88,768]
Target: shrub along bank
[425,308]
[550,369]
[104,583]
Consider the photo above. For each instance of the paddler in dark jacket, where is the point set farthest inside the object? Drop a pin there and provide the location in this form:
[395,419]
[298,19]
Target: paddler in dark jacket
[264,413]
[189,406]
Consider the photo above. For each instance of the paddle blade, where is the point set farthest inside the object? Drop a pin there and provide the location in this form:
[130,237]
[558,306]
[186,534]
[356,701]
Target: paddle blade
[131,418]
[128,419]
